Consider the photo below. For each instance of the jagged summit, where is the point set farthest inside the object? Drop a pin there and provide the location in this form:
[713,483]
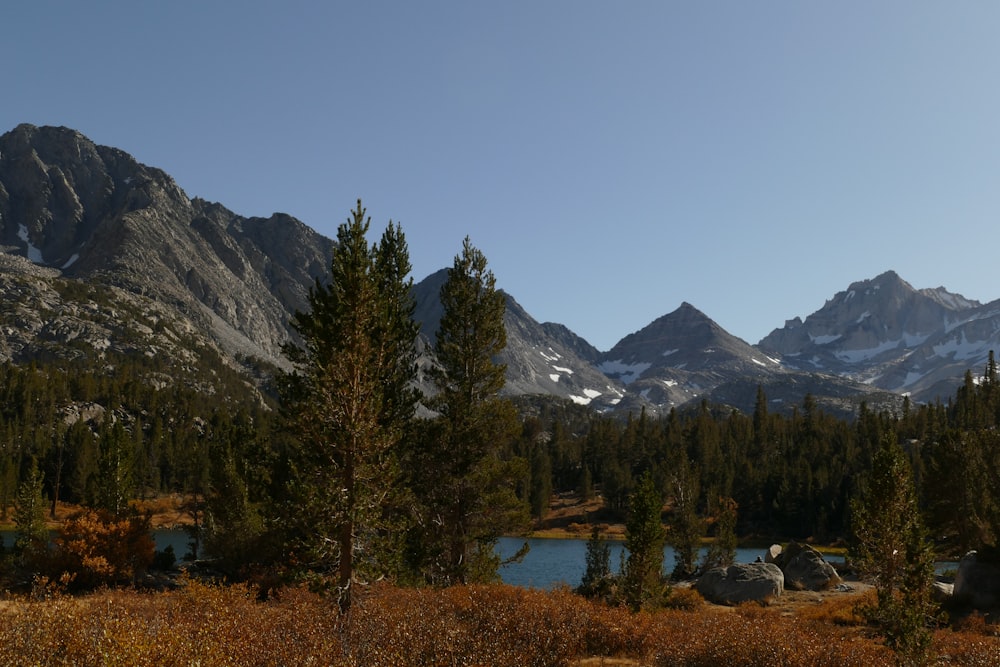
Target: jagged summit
[873,321]
[887,334]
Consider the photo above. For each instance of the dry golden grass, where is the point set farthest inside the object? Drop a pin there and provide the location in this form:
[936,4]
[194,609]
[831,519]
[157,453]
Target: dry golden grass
[481,626]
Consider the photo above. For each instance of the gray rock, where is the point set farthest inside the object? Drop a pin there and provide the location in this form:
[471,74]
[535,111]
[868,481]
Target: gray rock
[977,583]
[742,582]
[804,568]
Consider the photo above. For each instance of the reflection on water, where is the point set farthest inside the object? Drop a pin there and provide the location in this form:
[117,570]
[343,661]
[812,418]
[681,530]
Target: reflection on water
[552,562]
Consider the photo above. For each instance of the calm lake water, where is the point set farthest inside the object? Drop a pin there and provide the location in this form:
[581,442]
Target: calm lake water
[549,563]
[553,562]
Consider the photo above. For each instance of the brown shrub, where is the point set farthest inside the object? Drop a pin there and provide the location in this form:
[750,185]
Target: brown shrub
[485,626]
[683,598]
[98,549]
[841,611]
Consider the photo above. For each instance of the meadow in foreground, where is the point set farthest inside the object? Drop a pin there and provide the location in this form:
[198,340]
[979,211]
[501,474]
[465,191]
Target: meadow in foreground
[469,625]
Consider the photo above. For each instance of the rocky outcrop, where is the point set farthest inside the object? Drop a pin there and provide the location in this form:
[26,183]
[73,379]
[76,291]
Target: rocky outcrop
[742,582]
[804,568]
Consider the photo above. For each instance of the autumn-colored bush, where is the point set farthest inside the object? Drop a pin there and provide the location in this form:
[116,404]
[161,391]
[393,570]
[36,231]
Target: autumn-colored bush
[485,626]
[839,611]
[98,549]
[199,625]
[684,598]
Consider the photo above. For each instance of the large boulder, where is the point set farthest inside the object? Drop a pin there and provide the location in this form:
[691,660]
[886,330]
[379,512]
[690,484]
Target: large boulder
[977,583]
[804,568]
[742,582]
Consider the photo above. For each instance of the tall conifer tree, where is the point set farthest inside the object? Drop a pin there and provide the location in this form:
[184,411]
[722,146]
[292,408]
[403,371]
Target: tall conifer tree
[466,484]
[644,540]
[350,397]
[891,546]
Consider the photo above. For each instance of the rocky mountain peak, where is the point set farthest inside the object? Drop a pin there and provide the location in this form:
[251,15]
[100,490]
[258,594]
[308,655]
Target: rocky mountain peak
[93,212]
[686,333]
[871,321]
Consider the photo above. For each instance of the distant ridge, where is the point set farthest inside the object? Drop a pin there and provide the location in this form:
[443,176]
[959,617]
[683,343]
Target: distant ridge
[101,253]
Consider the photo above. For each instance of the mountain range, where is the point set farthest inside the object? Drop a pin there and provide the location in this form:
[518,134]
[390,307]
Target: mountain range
[101,255]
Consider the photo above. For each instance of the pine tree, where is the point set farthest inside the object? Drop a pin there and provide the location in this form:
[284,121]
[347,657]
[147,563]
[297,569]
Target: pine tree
[686,526]
[722,551]
[29,518]
[540,493]
[891,547]
[597,578]
[644,540]
[115,481]
[464,476]
[349,398]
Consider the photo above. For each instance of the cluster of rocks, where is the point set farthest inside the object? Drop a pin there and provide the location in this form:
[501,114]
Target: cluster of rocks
[799,567]
[796,567]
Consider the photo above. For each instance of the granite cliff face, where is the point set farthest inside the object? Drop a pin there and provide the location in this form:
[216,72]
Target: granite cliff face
[94,216]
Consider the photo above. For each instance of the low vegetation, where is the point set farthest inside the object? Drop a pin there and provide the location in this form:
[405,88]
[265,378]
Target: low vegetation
[462,625]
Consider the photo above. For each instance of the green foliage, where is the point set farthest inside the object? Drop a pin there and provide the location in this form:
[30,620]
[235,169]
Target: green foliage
[462,472]
[115,480]
[685,527]
[598,580]
[349,400]
[540,494]
[31,543]
[642,580]
[891,546]
[722,551]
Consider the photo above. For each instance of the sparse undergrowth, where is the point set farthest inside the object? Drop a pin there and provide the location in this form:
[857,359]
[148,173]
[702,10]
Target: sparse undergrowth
[474,625]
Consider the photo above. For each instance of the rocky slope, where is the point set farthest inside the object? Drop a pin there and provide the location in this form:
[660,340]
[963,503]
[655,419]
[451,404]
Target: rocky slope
[94,216]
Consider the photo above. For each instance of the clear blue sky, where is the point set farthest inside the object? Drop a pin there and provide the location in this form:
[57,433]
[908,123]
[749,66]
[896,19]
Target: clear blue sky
[611,159]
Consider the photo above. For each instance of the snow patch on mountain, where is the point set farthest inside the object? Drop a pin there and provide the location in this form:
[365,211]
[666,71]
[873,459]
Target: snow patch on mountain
[858,356]
[589,395]
[549,358]
[627,373]
[825,340]
[34,254]
[959,347]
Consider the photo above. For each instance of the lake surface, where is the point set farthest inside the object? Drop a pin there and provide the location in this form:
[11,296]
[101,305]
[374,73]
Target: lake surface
[552,562]
[549,563]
